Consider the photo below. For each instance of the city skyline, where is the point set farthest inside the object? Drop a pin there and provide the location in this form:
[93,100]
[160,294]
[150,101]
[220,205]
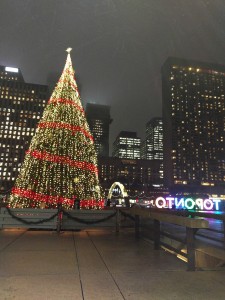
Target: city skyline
[193,92]
[119,47]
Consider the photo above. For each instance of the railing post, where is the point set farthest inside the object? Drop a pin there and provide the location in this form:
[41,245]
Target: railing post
[224,233]
[59,218]
[137,226]
[156,234]
[1,212]
[117,220]
[190,248]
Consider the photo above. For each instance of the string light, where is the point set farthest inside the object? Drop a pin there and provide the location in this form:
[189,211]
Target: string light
[74,129]
[63,160]
[66,101]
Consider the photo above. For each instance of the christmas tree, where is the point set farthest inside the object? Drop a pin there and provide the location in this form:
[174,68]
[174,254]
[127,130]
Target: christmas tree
[60,165]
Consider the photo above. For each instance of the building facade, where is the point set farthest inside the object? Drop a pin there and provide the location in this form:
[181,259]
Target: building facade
[194,125]
[152,146]
[137,175]
[21,108]
[98,118]
[127,145]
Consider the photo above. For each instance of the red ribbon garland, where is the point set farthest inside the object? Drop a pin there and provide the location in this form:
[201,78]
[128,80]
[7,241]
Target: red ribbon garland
[71,83]
[63,159]
[41,197]
[69,72]
[66,126]
[65,101]
[38,197]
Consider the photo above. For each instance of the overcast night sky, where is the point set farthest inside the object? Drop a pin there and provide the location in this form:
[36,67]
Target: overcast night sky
[118,46]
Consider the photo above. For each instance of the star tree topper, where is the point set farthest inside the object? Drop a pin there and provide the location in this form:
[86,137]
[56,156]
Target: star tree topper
[68,49]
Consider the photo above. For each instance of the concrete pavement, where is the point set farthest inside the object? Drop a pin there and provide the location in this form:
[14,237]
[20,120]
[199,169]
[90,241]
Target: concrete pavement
[96,264]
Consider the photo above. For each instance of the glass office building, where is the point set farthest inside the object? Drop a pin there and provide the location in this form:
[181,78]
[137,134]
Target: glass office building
[127,145]
[98,118]
[152,146]
[194,125]
[21,108]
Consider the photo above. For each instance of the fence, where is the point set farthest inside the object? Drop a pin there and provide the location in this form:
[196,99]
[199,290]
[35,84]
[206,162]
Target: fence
[28,218]
[57,219]
[176,231]
[154,223]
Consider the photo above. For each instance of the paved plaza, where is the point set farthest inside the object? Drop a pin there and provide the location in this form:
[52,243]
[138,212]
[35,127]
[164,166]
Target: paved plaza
[96,264]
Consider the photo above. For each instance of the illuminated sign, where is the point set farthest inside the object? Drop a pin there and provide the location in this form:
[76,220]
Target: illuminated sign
[188,203]
[9,69]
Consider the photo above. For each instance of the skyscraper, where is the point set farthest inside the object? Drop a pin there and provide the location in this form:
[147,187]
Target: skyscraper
[98,117]
[194,123]
[21,107]
[152,146]
[127,145]
[9,73]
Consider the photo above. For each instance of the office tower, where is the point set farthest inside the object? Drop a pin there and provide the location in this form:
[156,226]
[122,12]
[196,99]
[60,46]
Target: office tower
[194,123]
[21,107]
[9,73]
[98,117]
[137,175]
[152,146]
[127,145]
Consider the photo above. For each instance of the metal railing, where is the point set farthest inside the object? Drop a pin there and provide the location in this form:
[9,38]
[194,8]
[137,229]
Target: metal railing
[189,224]
[176,231]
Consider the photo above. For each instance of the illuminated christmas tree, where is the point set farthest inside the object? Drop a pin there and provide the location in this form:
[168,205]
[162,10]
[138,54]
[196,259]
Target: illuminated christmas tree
[60,165]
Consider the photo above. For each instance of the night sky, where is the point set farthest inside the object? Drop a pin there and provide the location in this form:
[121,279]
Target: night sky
[118,46]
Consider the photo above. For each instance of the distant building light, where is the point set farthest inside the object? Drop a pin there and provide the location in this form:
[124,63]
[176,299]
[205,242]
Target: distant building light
[207,183]
[9,69]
